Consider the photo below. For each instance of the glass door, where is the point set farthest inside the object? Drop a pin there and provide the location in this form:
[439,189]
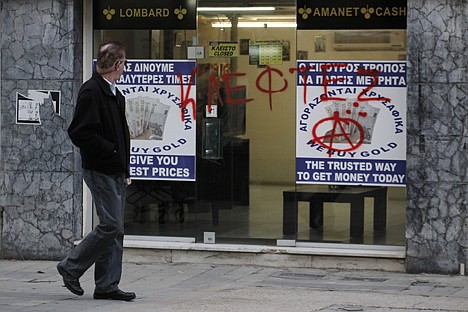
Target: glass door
[246,93]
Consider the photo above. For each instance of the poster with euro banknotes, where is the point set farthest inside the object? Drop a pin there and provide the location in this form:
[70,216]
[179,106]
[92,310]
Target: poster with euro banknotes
[162,129]
[351,123]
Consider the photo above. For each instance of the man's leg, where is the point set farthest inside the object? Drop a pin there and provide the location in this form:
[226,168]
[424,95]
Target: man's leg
[106,192]
[108,267]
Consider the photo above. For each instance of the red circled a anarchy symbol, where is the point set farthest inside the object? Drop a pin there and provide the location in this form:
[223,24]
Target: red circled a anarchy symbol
[339,133]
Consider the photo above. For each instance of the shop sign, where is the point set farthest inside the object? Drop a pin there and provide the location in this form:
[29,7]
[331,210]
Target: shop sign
[144,14]
[351,14]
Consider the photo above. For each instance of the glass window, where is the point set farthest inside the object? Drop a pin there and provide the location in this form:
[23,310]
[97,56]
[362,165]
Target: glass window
[333,213]
[246,131]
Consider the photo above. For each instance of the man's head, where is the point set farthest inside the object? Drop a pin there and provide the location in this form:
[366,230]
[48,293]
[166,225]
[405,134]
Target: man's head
[111,59]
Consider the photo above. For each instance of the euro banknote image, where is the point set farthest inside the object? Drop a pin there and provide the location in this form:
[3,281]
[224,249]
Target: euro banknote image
[146,118]
[351,121]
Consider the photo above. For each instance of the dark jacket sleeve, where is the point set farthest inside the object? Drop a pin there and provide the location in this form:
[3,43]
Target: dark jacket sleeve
[85,130]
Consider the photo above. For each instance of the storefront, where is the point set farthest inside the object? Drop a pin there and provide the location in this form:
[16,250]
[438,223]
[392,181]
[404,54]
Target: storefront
[319,128]
[254,162]
[253,172]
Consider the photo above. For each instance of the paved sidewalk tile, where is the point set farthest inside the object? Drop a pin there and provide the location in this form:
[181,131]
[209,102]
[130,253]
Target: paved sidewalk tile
[35,286]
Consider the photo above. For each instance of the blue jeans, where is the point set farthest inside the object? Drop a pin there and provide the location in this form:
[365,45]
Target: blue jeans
[103,247]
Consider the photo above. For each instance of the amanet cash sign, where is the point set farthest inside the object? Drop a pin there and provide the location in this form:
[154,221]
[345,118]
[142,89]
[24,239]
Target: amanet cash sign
[356,11]
[351,14]
[144,14]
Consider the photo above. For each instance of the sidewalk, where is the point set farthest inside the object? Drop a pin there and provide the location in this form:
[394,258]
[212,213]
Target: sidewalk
[36,286]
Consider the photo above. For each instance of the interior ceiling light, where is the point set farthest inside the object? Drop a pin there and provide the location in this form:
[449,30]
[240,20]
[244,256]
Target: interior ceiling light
[255,24]
[234,9]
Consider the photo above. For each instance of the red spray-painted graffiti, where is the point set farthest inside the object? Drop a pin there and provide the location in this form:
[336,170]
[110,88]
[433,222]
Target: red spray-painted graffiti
[342,130]
[269,91]
[185,99]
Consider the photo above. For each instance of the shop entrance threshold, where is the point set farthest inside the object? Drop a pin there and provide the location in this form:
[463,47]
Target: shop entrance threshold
[146,249]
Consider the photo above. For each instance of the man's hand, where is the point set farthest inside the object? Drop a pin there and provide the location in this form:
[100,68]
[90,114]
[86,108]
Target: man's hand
[128,181]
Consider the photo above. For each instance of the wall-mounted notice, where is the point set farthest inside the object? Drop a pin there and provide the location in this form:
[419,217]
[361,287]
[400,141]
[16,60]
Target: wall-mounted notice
[28,105]
[162,129]
[266,53]
[351,123]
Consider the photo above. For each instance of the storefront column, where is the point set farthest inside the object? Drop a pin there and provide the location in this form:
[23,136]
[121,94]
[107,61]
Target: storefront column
[40,180]
[437,222]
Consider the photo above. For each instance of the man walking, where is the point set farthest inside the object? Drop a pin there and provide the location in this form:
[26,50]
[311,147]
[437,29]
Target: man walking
[99,129]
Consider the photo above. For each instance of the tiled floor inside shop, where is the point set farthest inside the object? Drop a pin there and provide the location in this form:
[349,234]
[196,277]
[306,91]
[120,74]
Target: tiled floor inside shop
[262,219]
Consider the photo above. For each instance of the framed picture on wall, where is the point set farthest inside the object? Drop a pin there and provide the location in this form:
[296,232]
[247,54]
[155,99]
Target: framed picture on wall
[302,55]
[320,44]
[244,46]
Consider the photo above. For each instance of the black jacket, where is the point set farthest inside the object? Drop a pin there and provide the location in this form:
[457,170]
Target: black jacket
[99,128]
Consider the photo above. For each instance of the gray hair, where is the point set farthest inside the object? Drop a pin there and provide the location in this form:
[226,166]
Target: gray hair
[109,53]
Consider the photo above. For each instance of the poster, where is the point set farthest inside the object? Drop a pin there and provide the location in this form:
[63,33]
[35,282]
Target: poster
[162,129]
[351,123]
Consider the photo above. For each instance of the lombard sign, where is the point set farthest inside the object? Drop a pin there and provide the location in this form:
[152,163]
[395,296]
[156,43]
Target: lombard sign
[144,14]
[351,14]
